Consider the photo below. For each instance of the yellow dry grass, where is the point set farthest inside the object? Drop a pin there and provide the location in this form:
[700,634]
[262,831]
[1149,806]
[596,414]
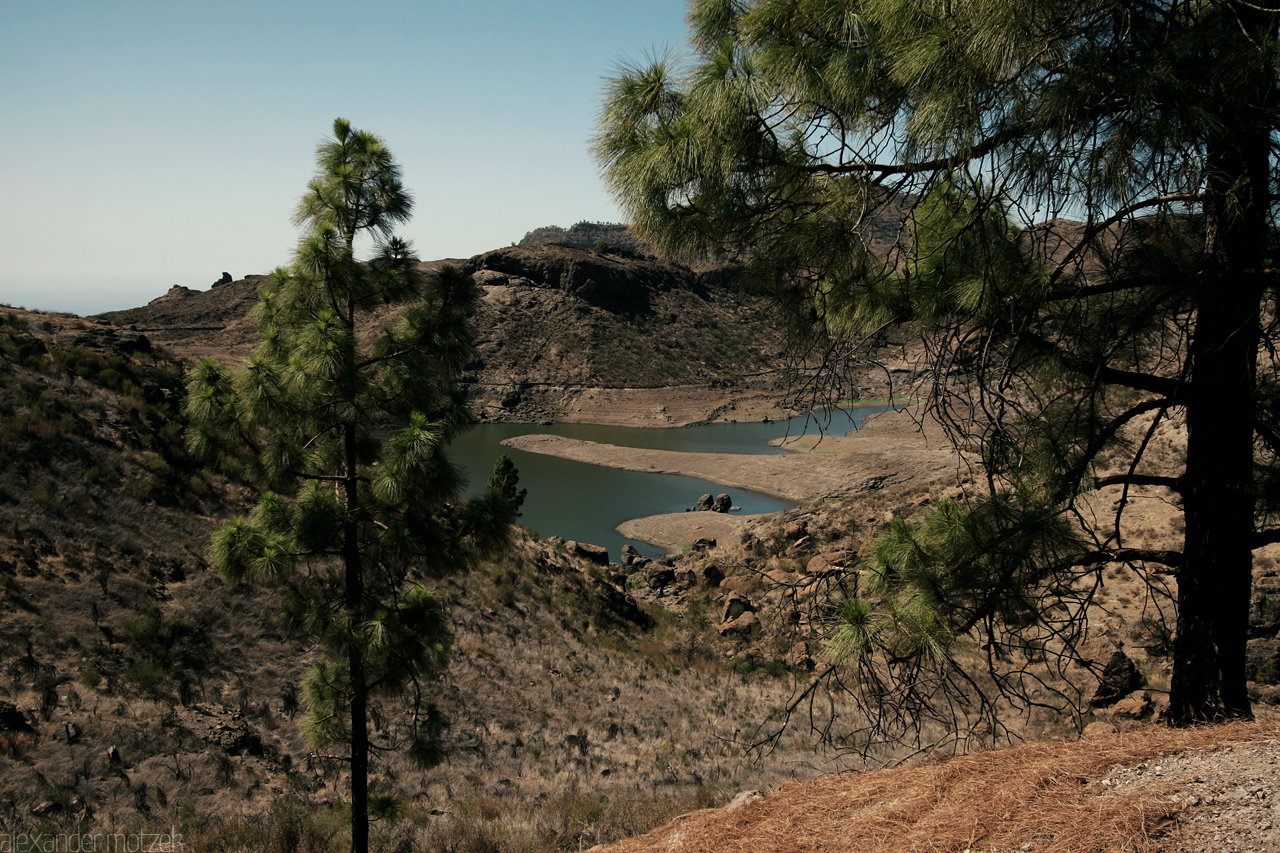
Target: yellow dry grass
[998,800]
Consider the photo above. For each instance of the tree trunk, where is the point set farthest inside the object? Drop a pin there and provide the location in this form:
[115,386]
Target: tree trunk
[355,654]
[1215,581]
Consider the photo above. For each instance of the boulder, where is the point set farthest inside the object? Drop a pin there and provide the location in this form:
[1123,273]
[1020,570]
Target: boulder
[743,625]
[1136,705]
[659,576]
[1119,678]
[796,530]
[710,575]
[1093,731]
[703,544]
[226,279]
[799,657]
[1262,660]
[706,503]
[735,604]
[629,555]
[1264,694]
[47,808]
[597,554]
[1264,606]
[824,565]
[722,504]
[13,720]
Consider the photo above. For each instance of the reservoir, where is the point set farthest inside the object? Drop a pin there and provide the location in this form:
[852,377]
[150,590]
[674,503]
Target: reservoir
[575,500]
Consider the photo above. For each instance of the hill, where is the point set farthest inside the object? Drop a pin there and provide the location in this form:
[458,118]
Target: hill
[587,235]
[564,334]
[141,692]
[589,701]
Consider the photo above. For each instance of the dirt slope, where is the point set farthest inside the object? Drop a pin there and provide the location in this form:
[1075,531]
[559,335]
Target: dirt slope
[564,334]
[1154,789]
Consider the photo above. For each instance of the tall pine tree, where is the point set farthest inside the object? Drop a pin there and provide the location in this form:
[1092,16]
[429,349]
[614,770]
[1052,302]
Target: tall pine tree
[865,159]
[348,424]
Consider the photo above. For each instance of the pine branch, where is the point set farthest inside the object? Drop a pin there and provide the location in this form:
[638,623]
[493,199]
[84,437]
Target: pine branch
[1173,483]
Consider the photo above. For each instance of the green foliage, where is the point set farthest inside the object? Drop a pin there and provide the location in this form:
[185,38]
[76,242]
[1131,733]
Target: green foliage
[957,569]
[362,503]
[876,161]
[505,482]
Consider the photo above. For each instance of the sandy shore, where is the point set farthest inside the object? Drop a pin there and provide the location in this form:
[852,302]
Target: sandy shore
[836,466]
[832,466]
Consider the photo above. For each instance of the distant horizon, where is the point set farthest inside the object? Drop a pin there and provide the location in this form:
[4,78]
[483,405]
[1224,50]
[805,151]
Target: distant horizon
[144,145]
[103,293]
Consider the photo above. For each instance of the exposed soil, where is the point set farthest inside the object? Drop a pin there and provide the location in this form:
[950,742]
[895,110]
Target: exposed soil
[838,466]
[1153,789]
[880,456]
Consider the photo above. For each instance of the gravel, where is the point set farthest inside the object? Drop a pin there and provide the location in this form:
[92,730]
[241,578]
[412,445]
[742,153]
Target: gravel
[1230,796]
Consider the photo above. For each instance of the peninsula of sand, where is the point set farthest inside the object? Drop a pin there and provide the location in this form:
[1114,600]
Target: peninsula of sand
[887,453]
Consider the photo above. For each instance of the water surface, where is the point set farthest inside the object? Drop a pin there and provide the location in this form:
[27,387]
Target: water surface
[585,502]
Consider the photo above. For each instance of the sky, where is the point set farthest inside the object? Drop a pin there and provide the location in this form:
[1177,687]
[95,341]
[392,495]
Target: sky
[148,144]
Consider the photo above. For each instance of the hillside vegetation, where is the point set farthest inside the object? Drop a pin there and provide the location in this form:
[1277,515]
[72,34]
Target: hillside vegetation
[588,702]
[141,691]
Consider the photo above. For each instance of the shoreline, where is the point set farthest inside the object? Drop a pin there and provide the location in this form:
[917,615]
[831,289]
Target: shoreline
[813,468]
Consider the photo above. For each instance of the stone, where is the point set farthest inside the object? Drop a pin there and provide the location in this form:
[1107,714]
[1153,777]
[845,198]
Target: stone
[659,576]
[705,504]
[1136,705]
[723,503]
[597,554]
[1262,660]
[629,555]
[799,657]
[735,604]
[710,575]
[226,279]
[703,544]
[796,530]
[1093,731]
[1119,678]
[745,624]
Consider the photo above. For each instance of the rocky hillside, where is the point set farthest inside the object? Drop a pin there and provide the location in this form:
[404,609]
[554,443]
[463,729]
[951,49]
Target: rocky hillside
[558,324]
[587,235]
[142,692]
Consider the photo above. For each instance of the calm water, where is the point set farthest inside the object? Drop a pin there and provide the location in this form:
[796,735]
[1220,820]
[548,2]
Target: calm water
[586,502]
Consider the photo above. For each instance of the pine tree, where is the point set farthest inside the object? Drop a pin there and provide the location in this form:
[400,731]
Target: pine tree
[879,161]
[348,425]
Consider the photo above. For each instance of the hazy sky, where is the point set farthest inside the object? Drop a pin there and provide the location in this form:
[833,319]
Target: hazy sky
[147,144]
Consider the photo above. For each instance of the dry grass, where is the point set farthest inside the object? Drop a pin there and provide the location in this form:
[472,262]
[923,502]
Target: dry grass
[1038,793]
